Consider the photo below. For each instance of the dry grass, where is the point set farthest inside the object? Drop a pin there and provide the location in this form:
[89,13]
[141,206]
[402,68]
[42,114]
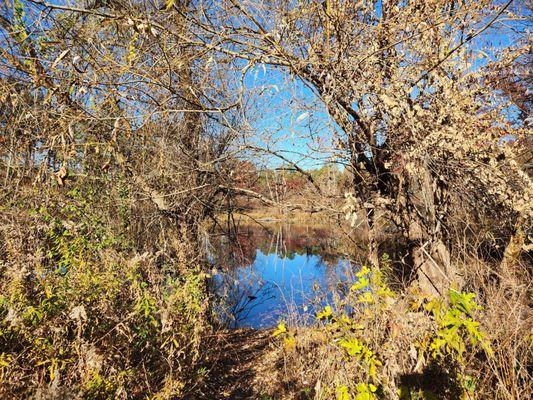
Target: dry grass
[508,317]
[316,366]
[84,314]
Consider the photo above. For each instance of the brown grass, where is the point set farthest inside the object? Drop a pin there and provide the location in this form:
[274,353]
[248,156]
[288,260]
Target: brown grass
[317,365]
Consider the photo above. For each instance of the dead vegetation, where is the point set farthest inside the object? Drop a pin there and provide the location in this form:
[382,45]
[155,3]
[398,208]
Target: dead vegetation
[126,125]
[315,362]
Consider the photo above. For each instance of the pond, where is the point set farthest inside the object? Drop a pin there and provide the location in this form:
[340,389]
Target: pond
[264,274]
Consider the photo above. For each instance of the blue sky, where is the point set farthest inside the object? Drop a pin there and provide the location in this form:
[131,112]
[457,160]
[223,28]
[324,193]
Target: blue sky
[287,112]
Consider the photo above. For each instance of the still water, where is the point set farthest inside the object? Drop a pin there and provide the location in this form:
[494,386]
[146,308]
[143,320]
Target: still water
[265,274]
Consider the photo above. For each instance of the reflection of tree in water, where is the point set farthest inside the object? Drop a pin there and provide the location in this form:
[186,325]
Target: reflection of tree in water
[235,248]
[287,241]
[238,247]
[240,295]
[241,289]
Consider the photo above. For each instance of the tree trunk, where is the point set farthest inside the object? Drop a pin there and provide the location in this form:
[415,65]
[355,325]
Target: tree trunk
[514,248]
[426,200]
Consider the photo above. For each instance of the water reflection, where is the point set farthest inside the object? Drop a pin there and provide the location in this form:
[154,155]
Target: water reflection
[262,274]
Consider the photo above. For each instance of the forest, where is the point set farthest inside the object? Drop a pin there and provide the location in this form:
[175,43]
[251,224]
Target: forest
[266,199]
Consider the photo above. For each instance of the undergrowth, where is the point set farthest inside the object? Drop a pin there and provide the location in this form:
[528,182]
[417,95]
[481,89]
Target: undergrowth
[84,315]
[378,344]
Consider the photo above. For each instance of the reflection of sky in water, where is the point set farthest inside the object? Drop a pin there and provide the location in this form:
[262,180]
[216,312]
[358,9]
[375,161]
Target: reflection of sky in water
[273,285]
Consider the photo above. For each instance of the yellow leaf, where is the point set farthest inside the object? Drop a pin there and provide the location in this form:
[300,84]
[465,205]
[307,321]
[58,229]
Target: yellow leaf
[342,393]
[280,330]
[364,271]
[289,343]
[325,314]
[170,4]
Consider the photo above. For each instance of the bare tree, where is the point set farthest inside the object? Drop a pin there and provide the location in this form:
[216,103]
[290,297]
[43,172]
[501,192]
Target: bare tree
[419,129]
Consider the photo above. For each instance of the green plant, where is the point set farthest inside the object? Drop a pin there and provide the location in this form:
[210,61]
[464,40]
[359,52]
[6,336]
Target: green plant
[347,332]
[372,288]
[287,336]
[365,391]
[89,317]
[456,326]
[356,348]
[457,334]
[325,314]
[406,393]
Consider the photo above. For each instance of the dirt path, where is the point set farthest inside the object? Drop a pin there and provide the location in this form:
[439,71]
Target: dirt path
[230,374]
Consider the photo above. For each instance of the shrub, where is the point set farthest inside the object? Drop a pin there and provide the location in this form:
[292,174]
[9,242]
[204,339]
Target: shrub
[82,316]
[376,343]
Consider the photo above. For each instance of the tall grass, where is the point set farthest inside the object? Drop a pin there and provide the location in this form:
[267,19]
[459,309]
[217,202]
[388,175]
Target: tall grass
[85,312]
[474,343]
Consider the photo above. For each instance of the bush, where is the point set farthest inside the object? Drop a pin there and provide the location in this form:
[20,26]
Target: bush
[82,314]
[376,344]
